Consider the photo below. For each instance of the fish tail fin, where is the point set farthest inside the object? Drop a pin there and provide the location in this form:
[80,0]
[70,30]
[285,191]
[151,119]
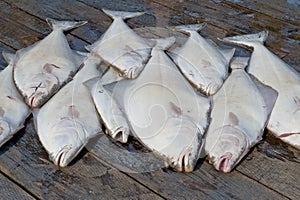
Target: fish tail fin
[91,83]
[8,57]
[228,54]
[248,40]
[64,25]
[122,14]
[239,63]
[190,27]
[111,75]
[163,43]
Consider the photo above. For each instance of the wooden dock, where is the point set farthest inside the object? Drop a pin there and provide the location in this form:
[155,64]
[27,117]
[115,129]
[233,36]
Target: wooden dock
[270,171]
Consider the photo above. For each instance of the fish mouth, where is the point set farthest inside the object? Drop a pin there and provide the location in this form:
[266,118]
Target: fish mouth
[185,162]
[61,158]
[35,99]
[120,134]
[223,163]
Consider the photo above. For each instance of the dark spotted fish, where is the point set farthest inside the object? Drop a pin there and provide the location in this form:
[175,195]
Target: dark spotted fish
[240,111]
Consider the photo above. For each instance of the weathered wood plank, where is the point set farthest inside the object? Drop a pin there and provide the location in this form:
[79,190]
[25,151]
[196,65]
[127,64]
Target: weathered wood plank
[279,170]
[67,10]
[223,20]
[9,190]
[286,10]
[239,20]
[205,182]
[26,162]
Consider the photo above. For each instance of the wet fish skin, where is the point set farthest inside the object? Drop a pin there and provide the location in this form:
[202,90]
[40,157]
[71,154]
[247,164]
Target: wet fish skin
[69,119]
[112,117]
[203,64]
[121,47]
[13,110]
[240,111]
[274,72]
[42,68]
[164,112]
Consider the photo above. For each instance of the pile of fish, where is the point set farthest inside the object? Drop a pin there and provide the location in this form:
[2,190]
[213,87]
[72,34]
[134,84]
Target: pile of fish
[180,103]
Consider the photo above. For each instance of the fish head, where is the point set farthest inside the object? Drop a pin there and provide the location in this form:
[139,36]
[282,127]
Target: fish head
[5,130]
[39,89]
[66,142]
[120,134]
[185,145]
[229,148]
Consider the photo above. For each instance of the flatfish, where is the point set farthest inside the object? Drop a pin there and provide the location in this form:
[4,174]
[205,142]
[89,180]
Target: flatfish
[13,110]
[240,112]
[274,72]
[121,47]
[163,110]
[42,68]
[112,117]
[69,119]
[202,63]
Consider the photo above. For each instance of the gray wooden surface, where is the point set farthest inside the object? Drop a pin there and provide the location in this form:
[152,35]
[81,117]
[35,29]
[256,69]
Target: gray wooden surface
[270,170]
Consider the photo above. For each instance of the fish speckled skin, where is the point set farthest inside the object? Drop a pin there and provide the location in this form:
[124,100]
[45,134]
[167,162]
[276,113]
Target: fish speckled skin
[203,64]
[240,110]
[164,111]
[121,47]
[41,69]
[274,72]
[13,110]
[69,119]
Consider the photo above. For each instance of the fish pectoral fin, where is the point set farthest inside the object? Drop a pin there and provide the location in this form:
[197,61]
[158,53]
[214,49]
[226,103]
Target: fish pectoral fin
[8,57]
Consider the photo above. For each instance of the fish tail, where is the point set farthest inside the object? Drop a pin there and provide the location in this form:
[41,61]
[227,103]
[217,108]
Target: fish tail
[190,27]
[8,57]
[122,14]
[64,25]
[164,43]
[248,40]
[239,63]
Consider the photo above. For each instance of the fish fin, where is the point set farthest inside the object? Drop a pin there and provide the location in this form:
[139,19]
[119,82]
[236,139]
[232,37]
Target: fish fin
[35,113]
[8,57]
[202,152]
[247,40]
[122,14]
[268,93]
[228,54]
[164,43]
[81,53]
[64,25]
[112,75]
[189,28]
[91,83]
[239,63]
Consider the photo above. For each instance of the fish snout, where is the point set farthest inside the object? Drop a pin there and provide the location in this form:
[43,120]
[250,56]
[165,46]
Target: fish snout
[133,72]
[4,130]
[213,87]
[62,157]
[34,101]
[121,134]
[223,163]
[186,161]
